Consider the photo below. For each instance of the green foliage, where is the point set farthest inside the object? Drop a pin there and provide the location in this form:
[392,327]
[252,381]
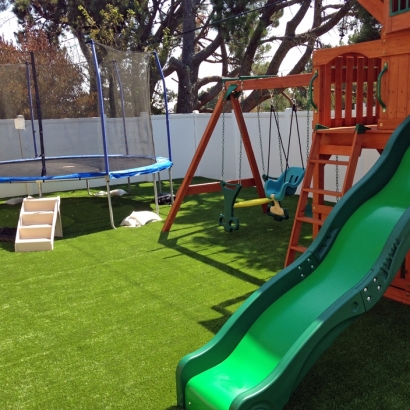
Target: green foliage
[158,102]
[239,25]
[115,27]
[364,26]
[236,27]
[62,83]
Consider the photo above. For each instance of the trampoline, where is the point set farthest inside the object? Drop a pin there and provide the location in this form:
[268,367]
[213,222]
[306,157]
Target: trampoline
[87,118]
[81,167]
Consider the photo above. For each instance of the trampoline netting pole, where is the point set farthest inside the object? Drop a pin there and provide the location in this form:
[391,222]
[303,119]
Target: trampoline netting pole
[165,103]
[30,101]
[166,122]
[103,129]
[39,116]
[101,105]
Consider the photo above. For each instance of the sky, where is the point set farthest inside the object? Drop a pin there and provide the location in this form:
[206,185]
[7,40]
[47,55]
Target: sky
[8,24]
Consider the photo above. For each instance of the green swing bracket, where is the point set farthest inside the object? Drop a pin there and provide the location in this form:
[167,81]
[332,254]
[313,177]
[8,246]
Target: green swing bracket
[231,90]
[227,219]
[379,87]
[361,129]
[312,103]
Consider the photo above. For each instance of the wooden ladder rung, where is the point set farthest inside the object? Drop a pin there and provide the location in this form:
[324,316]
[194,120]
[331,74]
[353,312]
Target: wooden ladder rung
[322,209]
[344,150]
[322,192]
[308,219]
[329,162]
[298,248]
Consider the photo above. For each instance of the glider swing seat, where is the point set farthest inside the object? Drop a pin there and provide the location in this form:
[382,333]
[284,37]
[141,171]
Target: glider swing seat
[230,190]
[227,219]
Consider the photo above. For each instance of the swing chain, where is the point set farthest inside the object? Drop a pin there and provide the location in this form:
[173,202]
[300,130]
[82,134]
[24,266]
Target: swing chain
[276,116]
[260,136]
[223,137]
[240,160]
[242,101]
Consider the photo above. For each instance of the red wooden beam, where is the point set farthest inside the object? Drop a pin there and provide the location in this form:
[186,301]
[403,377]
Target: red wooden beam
[183,189]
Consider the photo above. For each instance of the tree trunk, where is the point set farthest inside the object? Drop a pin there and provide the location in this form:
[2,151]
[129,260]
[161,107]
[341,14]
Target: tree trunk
[188,72]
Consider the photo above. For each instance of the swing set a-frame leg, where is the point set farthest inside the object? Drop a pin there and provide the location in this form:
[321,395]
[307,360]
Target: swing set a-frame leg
[184,188]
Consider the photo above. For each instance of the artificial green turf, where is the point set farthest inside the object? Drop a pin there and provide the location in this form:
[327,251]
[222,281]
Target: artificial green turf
[102,321]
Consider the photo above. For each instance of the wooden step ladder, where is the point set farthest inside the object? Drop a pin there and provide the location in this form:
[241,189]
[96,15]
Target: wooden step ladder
[327,143]
[39,223]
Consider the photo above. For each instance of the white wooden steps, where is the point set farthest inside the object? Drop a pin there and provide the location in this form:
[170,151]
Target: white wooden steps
[39,223]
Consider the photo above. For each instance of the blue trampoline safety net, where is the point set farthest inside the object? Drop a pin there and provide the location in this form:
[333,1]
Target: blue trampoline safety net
[76,116]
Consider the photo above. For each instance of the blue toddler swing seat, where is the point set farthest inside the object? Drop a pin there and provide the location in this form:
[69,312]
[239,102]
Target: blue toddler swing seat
[287,183]
[277,188]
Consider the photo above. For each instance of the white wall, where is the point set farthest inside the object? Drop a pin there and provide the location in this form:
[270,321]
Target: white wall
[186,132]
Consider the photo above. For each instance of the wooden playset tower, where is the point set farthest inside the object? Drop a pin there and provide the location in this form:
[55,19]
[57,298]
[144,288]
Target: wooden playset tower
[361,93]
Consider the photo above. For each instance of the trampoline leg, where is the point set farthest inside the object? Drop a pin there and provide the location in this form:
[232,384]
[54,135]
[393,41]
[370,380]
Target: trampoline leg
[107,182]
[40,188]
[160,182]
[87,183]
[154,180]
[171,187]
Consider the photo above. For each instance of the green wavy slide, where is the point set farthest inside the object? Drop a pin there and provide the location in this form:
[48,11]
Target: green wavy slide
[264,350]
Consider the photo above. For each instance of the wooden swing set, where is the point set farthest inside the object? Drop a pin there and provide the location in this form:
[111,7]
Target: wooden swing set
[361,93]
[232,90]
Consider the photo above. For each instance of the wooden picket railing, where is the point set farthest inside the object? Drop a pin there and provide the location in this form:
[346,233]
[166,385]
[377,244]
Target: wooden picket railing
[347,91]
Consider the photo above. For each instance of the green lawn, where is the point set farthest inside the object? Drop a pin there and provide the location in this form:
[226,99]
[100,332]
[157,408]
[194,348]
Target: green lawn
[102,321]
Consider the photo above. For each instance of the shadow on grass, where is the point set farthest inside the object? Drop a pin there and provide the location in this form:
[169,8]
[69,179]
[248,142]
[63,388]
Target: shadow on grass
[261,242]
[252,254]
[219,265]
[214,325]
[7,246]
[367,367]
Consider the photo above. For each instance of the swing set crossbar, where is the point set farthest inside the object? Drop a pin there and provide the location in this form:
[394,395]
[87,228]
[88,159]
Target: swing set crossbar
[216,186]
[261,83]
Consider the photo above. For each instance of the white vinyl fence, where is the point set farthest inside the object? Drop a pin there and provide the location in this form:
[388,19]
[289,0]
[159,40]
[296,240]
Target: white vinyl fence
[186,133]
